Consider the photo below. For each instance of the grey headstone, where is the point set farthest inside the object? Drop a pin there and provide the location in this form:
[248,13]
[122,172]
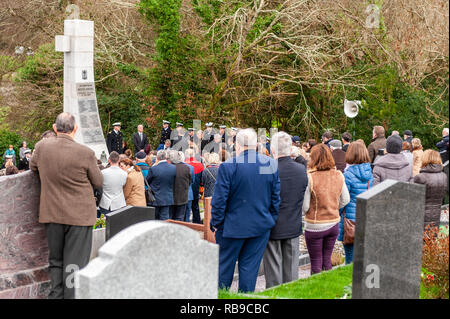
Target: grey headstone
[153,259]
[125,217]
[388,241]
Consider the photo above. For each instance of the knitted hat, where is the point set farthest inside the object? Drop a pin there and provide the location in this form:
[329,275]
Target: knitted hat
[140,155]
[407,132]
[394,144]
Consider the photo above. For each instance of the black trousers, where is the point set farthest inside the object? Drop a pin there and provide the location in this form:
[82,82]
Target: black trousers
[69,251]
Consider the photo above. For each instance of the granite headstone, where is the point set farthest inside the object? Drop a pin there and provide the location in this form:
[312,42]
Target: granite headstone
[388,241]
[151,259]
[125,217]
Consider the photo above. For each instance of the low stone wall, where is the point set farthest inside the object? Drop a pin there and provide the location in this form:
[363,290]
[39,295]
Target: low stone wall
[23,243]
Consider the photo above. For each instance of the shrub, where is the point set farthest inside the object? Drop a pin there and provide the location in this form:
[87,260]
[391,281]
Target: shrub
[435,261]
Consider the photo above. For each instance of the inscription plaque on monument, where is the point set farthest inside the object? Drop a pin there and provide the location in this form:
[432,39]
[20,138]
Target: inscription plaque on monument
[90,126]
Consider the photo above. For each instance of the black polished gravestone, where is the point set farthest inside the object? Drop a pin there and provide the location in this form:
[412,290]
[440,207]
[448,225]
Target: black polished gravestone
[388,241]
[125,217]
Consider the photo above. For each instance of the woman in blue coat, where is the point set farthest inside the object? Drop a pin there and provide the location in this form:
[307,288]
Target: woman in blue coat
[358,178]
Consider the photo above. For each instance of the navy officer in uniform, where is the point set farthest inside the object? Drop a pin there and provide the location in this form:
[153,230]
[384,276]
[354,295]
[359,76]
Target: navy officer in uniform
[222,132]
[208,135]
[114,139]
[181,141]
[191,134]
[165,134]
[234,131]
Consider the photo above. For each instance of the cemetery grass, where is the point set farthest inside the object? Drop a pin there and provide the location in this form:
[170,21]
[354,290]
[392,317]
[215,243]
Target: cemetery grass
[430,292]
[326,285]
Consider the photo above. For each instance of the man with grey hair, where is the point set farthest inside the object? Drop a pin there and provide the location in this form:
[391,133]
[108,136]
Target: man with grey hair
[244,209]
[161,178]
[378,144]
[140,140]
[281,255]
[67,202]
[183,180]
[338,154]
[214,146]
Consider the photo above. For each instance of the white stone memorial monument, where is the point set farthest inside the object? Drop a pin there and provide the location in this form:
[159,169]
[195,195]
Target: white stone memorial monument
[77,43]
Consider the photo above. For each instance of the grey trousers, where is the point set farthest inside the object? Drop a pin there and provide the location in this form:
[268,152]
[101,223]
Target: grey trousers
[69,251]
[281,261]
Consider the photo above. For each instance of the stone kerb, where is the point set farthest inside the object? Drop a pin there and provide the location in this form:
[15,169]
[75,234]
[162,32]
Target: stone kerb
[388,241]
[152,259]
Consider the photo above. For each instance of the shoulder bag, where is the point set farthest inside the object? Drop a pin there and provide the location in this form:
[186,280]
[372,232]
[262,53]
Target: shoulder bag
[149,196]
[349,228]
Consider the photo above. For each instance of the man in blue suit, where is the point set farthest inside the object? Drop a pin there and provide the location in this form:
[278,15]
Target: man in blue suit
[161,177]
[244,210]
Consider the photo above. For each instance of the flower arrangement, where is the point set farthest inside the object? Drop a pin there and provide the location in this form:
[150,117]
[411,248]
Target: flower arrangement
[435,261]
[101,222]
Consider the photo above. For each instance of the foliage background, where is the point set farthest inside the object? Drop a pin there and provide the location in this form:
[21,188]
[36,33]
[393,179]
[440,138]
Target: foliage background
[263,64]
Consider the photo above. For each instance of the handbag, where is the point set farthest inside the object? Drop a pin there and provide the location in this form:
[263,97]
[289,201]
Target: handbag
[149,196]
[349,228]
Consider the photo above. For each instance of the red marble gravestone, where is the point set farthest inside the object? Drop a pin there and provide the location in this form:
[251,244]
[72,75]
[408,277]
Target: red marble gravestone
[23,243]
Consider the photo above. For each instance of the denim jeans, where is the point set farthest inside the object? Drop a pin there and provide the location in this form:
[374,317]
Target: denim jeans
[162,212]
[348,254]
[187,215]
[178,212]
[195,207]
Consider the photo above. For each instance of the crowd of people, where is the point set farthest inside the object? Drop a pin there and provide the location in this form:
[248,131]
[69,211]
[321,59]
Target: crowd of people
[261,188]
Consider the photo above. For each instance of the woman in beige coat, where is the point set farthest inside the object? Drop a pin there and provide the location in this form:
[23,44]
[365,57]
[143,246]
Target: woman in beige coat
[417,155]
[134,189]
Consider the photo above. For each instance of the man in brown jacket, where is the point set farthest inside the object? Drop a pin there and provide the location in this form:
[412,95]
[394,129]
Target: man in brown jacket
[68,172]
[378,142]
[338,155]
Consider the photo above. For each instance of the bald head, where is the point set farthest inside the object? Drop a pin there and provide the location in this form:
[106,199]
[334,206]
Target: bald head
[65,123]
